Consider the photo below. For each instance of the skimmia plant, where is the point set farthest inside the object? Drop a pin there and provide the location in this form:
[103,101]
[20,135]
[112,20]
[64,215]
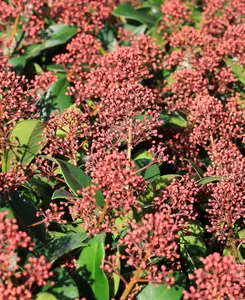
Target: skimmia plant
[122,149]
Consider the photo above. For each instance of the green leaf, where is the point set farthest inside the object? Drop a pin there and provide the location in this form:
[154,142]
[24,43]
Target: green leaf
[41,189]
[151,173]
[62,194]
[17,64]
[142,154]
[161,292]
[114,282]
[192,248]
[209,179]
[63,245]
[136,30]
[88,267]
[45,296]
[57,34]
[56,68]
[76,178]
[38,69]
[25,211]
[10,214]
[107,37]
[197,169]
[196,228]
[237,69]
[28,134]
[241,250]
[160,183]
[153,3]
[64,287]
[126,10]
[178,120]
[54,98]
[196,16]
[157,36]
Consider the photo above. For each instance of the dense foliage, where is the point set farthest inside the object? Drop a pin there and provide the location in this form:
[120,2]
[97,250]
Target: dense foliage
[122,149]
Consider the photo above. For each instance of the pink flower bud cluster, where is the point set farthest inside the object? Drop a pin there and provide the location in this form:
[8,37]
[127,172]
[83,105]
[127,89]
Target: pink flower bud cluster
[86,14]
[16,283]
[154,236]
[52,214]
[116,178]
[220,278]
[124,64]
[175,13]
[15,177]
[130,105]
[41,83]
[82,54]
[220,14]
[64,133]
[200,59]
[16,102]
[178,199]
[27,14]
[226,204]
[208,117]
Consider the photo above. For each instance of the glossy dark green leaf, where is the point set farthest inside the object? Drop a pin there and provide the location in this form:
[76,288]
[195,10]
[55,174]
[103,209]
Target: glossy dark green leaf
[107,37]
[76,178]
[54,98]
[196,16]
[195,228]
[59,70]
[56,68]
[88,267]
[18,64]
[158,184]
[63,245]
[161,292]
[25,212]
[192,248]
[158,37]
[57,34]
[126,10]
[64,287]
[40,188]
[151,173]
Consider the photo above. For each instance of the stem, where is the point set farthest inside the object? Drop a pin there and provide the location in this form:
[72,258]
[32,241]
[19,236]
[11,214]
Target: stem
[131,284]
[130,138]
[37,223]
[14,30]
[135,278]
[103,213]
[231,238]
